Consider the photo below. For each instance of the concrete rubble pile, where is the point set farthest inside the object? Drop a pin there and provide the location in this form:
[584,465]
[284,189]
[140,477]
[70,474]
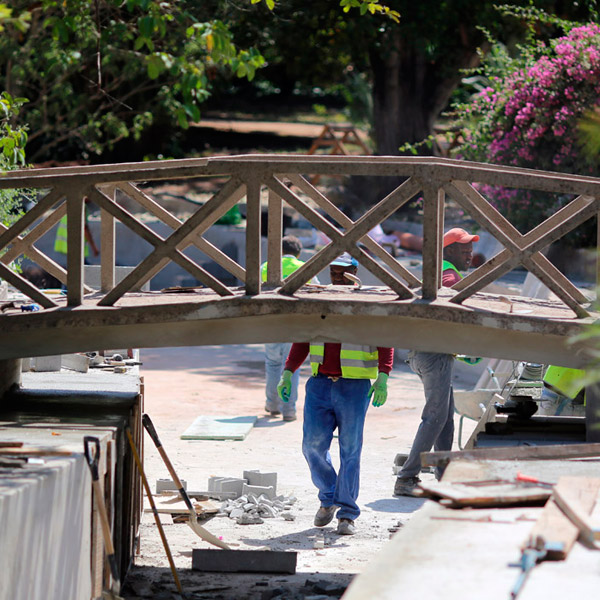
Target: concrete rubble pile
[253,498]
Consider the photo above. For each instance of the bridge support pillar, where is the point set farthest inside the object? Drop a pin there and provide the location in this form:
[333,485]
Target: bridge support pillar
[10,375]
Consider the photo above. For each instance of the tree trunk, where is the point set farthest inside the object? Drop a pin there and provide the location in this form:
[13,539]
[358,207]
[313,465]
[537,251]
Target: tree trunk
[410,91]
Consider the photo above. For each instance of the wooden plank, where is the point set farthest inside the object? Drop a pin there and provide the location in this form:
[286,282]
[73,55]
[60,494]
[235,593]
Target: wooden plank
[34,451]
[478,494]
[576,512]
[554,527]
[434,459]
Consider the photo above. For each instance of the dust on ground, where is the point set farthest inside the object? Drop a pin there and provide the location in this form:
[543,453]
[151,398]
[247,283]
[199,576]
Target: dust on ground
[184,383]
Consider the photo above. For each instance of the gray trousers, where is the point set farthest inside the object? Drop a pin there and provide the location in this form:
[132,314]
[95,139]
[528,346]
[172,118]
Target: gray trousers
[437,420]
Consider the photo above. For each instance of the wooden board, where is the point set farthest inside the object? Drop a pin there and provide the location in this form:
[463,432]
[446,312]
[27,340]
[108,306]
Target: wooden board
[458,495]
[554,526]
[220,428]
[176,506]
[555,451]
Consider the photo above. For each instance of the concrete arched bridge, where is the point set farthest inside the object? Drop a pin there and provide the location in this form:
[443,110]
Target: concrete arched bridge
[405,312]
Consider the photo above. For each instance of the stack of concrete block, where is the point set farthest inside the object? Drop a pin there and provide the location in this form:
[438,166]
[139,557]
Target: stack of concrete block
[258,483]
[253,482]
[226,485]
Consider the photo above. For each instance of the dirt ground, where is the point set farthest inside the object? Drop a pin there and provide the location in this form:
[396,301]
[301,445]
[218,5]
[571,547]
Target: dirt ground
[184,383]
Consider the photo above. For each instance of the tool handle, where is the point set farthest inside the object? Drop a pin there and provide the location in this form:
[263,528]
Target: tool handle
[152,432]
[150,429]
[138,462]
[92,458]
[92,461]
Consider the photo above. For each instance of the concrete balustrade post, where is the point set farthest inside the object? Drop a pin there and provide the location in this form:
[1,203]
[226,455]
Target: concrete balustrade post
[10,375]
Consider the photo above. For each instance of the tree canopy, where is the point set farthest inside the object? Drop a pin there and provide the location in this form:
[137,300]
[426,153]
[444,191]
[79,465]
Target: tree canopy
[96,72]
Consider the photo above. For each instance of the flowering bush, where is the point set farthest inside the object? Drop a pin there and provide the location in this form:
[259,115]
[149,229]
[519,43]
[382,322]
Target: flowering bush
[529,117]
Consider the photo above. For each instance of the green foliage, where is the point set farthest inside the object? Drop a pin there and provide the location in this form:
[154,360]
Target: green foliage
[12,156]
[97,72]
[13,138]
[589,133]
[20,22]
[364,6]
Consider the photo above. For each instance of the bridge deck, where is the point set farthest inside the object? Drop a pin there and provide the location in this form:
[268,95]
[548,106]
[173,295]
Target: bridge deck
[489,325]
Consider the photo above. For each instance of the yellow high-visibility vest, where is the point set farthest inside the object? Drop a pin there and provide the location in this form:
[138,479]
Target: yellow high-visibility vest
[564,381]
[357,362]
[288,265]
[60,243]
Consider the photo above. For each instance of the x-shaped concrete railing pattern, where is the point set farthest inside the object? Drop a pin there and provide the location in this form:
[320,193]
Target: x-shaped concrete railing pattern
[286,180]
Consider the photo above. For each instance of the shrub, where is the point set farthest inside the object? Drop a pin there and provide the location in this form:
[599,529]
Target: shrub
[529,116]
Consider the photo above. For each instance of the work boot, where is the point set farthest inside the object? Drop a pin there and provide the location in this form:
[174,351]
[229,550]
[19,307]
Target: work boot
[290,417]
[405,486]
[324,516]
[272,412]
[346,527]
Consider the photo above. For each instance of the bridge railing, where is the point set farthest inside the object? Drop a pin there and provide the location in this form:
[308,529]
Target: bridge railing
[287,180]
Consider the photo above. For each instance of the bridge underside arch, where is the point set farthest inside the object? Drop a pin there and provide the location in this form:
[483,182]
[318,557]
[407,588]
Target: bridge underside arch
[431,326]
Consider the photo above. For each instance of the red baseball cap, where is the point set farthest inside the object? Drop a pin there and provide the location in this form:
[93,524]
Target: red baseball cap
[459,236]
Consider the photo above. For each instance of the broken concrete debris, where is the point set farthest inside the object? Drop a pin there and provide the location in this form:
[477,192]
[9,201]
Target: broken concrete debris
[251,509]
[255,498]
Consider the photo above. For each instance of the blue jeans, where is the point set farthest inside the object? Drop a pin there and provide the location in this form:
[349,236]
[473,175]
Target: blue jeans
[329,404]
[275,357]
[437,420]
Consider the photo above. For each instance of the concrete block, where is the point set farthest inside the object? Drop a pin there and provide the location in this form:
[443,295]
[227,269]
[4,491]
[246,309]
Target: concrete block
[226,485]
[47,363]
[164,485]
[75,362]
[233,485]
[261,479]
[257,490]
[213,484]
[243,561]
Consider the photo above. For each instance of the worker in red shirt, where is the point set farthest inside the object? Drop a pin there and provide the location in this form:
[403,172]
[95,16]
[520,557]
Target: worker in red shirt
[337,396]
[436,429]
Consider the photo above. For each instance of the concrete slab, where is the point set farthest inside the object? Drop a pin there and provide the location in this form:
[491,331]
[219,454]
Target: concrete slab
[219,428]
[243,561]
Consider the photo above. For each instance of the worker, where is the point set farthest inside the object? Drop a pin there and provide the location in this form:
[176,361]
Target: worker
[60,242]
[436,429]
[337,395]
[276,353]
[564,391]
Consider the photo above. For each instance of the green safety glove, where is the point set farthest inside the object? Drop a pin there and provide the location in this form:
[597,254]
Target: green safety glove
[379,390]
[284,387]
[470,360]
